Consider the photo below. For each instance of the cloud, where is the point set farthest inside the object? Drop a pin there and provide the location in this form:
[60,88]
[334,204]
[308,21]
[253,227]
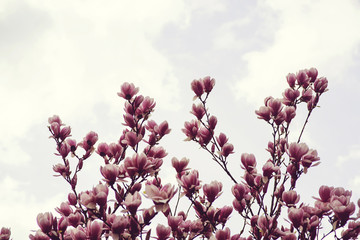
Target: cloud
[64,57]
[320,34]
[19,209]
[352,154]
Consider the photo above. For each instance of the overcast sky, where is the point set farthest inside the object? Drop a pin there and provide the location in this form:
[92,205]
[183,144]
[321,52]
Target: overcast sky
[71,57]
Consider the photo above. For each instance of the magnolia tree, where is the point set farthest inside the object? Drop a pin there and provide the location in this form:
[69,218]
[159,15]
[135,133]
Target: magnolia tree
[131,196]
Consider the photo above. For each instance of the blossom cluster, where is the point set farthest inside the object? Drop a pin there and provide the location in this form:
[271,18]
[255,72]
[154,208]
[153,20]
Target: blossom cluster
[116,208]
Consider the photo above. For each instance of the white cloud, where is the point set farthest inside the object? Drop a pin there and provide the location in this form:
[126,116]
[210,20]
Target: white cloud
[322,34]
[19,209]
[64,57]
[352,154]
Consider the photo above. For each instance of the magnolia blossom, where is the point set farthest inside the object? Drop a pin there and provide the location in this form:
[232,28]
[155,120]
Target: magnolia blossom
[45,221]
[160,195]
[128,90]
[132,202]
[212,190]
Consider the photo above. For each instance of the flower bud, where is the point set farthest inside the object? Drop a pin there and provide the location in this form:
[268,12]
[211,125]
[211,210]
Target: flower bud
[198,87]
[291,79]
[320,85]
[312,73]
[209,84]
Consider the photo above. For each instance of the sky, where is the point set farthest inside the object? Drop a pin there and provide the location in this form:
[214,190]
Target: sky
[70,58]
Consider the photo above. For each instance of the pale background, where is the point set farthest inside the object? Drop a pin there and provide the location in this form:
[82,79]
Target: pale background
[70,58]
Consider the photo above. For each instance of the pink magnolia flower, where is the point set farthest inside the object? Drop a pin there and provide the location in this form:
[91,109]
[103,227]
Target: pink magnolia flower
[224,214]
[290,197]
[131,139]
[306,95]
[101,193]
[39,235]
[64,209]
[64,149]
[209,84]
[162,232]
[160,195]
[62,224]
[275,106]
[198,111]
[240,192]
[312,74]
[227,149]
[198,87]
[296,216]
[297,150]
[239,205]
[115,151]
[65,132]
[222,234]
[290,95]
[138,164]
[119,224]
[110,172]
[55,119]
[55,129]
[212,190]
[45,221]
[269,169]
[265,224]
[94,230]
[342,208]
[132,202]
[191,129]
[309,158]
[212,122]
[155,152]
[102,149]
[180,165]
[174,222]
[136,103]
[290,113]
[352,232]
[87,199]
[221,139]
[263,113]
[78,233]
[162,129]
[291,79]
[5,233]
[129,120]
[320,85]
[148,215]
[190,182]
[204,136]
[325,193]
[248,162]
[72,199]
[146,107]
[74,219]
[128,90]
[72,144]
[89,140]
[302,78]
